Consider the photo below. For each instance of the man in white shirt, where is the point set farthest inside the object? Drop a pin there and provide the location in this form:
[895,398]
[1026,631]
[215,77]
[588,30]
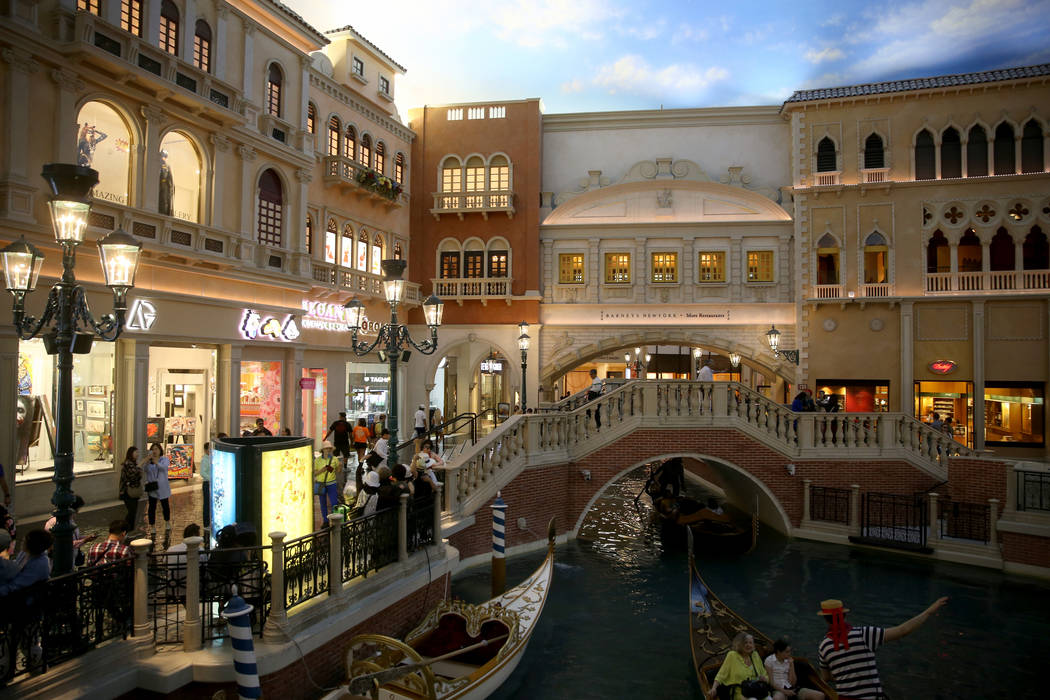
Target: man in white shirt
[593,392]
[421,425]
[706,374]
[382,448]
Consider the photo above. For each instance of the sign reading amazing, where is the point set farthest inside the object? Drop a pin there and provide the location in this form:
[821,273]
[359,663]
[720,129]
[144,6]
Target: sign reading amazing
[325,316]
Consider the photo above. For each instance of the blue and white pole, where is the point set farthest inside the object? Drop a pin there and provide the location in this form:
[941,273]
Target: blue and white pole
[499,545]
[244,666]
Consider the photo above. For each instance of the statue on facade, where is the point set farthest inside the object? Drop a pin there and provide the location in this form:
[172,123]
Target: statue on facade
[167,186]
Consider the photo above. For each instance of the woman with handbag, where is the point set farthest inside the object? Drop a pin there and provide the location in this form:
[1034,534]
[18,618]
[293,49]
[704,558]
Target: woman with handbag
[743,671]
[131,489]
[158,488]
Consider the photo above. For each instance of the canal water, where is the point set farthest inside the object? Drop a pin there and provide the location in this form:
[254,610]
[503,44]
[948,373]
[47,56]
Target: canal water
[615,623]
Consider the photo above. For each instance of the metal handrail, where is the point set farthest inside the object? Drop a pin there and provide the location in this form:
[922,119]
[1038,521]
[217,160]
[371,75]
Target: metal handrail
[468,419]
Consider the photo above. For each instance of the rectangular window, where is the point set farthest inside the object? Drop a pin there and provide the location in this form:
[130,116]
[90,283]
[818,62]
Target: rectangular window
[359,67]
[475,182]
[384,85]
[329,246]
[131,16]
[91,6]
[498,112]
[450,266]
[875,269]
[450,179]
[1013,414]
[664,267]
[202,56]
[347,257]
[570,268]
[498,263]
[399,168]
[273,98]
[377,259]
[169,35]
[617,268]
[454,114]
[712,267]
[499,178]
[760,266]
[473,264]
[269,221]
[475,113]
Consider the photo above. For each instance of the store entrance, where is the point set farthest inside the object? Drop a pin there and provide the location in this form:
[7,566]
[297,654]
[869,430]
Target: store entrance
[949,400]
[181,404]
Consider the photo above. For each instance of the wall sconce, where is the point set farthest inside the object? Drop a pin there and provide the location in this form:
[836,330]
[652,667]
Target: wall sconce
[790,469]
[586,474]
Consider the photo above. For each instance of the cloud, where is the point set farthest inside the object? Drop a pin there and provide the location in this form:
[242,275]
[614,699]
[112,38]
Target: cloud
[833,21]
[633,74]
[572,86]
[687,33]
[828,53]
[536,23]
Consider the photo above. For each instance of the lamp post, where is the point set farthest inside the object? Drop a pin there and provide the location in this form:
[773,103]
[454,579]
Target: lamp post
[70,326]
[523,345]
[734,359]
[773,336]
[393,337]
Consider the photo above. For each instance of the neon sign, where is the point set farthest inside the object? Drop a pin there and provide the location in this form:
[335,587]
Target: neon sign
[942,366]
[325,316]
[491,366]
[141,315]
[255,326]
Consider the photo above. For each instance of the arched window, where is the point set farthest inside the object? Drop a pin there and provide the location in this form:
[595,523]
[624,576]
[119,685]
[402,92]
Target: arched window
[131,16]
[951,153]
[362,250]
[377,254]
[449,258]
[274,81]
[331,235]
[826,159]
[1001,253]
[350,143]
[474,182]
[309,234]
[874,154]
[399,168]
[380,157]
[1005,150]
[346,249]
[498,258]
[334,127]
[1035,252]
[311,118]
[271,208]
[876,253]
[1032,147]
[105,143]
[925,165]
[398,255]
[451,181]
[499,181]
[202,46]
[366,150]
[977,152]
[92,6]
[180,177]
[827,260]
[970,252]
[169,27]
[938,254]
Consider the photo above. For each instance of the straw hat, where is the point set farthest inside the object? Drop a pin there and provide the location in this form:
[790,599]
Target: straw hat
[832,606]
[327,445]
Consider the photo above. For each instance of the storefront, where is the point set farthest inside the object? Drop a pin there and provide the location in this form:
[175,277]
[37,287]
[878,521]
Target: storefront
[492,385]
[858,395]
[367,390]
[1014,414]
[181,403]
[947,399]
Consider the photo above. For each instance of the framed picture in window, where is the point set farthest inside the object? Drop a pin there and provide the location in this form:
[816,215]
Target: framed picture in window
[78,421]
[96,390]
[177,401]
[95,426]
[95,409]
[78,405]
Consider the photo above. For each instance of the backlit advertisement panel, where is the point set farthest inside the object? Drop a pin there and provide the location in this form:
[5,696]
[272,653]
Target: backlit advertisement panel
[287,490]
[223,489]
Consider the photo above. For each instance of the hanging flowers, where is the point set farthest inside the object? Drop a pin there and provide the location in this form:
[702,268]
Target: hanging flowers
[380,184]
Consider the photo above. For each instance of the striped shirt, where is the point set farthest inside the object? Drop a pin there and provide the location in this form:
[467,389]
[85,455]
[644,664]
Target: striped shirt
[854,669]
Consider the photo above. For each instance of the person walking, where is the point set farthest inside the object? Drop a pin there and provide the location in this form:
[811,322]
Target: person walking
[340,433]
[158,488]
[360,437]
[130,488]
[326,478]
[204,468]
[593,392]
[420,420]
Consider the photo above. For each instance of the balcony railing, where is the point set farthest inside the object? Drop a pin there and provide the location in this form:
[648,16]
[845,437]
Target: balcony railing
[461,203]
[877,290]
[988,282]
[873,175]
[482,288]
[827,291]
[357,281]
[349,175]
[826,179]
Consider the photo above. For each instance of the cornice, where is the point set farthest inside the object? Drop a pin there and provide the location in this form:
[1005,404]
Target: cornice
[341,94]
[663,118]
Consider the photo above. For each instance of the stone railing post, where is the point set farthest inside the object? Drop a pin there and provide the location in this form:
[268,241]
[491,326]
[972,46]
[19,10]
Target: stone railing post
[805,431]
[140,611]
[720,405]
[806,483]
[335,554]
[437,514]
[273,629]
[191,626]
[402,528]
[533,430]
[934,521]
[451,489]
[854,509]
[1011,489]
[993,521]
[886,430]
[650,399]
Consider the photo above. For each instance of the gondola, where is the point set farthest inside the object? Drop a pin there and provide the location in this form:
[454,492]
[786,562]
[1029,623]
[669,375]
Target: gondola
[712,626]
[713,533]
[459,651]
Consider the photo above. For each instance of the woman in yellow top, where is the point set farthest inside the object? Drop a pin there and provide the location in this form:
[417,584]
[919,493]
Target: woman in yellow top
[741,664]
[326,475]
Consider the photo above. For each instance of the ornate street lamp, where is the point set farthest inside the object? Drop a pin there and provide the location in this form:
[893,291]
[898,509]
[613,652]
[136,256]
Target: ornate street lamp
[773,336]
[734,359]
[70,326]
[523,345]
[393,337]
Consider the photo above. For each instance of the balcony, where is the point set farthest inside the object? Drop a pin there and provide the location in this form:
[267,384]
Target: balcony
[350,176]
[875,175]
[877,290]
[465,202]
[1012,281]
[827,291]
[481,288]
[827,178]
[358,282]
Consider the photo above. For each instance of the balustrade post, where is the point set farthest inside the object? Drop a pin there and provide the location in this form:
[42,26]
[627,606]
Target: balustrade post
[854,509]
[806,483]
[273,629]
[993,521]
[886,431]
[140,611]
[437,514]
[806,430]
[650,399]
[335,554]
[191,626]
[402,528]
[1011,489]
[720,405]
[935,532]
[451,489]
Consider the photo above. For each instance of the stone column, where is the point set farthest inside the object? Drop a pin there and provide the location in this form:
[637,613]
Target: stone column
[907,390]
[220,171]
[218,44]
[594,271]
[977,344]
[451,486]
[16,112]
[299,120]
[9,389]
[273,629]
[993,522]
[228,390]
[335,554]
[806,430]
[806,484]
[249,191]
[140,616]
[291,394]
[639,270]
[854,509]
[297,239]
[188,29]
[151,22]
[191,628]
[402,528]
[248,79]
[934,535]
[548,271]
[132,386]
[147,195]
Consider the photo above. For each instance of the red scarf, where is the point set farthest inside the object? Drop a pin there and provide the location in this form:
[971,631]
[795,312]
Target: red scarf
[838,630]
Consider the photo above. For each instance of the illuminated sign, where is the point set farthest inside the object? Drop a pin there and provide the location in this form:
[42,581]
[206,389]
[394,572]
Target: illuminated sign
[491,366]
[141,315]
[325,316]
[223,489]
[287,491]
[942,366]
[377,379]
[255,326]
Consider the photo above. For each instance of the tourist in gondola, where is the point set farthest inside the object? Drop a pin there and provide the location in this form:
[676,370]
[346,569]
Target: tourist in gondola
[781,669]
[741,665]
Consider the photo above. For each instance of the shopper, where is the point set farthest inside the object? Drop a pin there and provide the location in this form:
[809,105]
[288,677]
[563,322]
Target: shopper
[204,468]
[131,488]
[360,439]
[340,433]
[326,468]
[158,488]
[260,429]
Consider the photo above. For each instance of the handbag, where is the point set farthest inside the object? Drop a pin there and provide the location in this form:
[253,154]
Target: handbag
[152,487]
[134,491]
[752,688]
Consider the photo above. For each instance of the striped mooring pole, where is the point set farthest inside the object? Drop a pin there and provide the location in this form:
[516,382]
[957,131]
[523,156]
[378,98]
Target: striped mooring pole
[236,613]
[499,545]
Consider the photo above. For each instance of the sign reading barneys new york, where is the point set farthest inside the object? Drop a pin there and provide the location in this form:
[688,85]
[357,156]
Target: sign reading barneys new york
[666,314]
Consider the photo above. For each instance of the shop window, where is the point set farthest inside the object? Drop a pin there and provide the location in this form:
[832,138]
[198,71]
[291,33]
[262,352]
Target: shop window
[874,154]
[1032,147]
[498,263]
[827,260]
[1005,150]
[377,255]
[271,209]
[617,268]
[977,153]
[180,403]
[826,158]
[570,268]
[664,267]
[180,177]
[474,182]
[449,265]
[1013,414]
[1035,252]
[169,27]
[858,395]
[131,16]
[105,143]
[309,234]
[330,241]
[399,168]
[261,395]
[311,118]
[876,252]
[951,153]
[938,254]
[380,157]
[712,266]
[474,264]
[202,47]
[760,266]
[92,6]
[274,83]
[366,150]
[368,390]
[925,158]
[334,128]
[1002,253]
[970,252]
[346,258]
[362,250]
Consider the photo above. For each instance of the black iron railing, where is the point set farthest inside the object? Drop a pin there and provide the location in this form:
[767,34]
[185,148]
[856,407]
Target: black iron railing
[829,504]
[420,523]
[166,596]
[894,519]
[1033,491]
[244,568]
[369,543]
[966,521]
[306,567]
